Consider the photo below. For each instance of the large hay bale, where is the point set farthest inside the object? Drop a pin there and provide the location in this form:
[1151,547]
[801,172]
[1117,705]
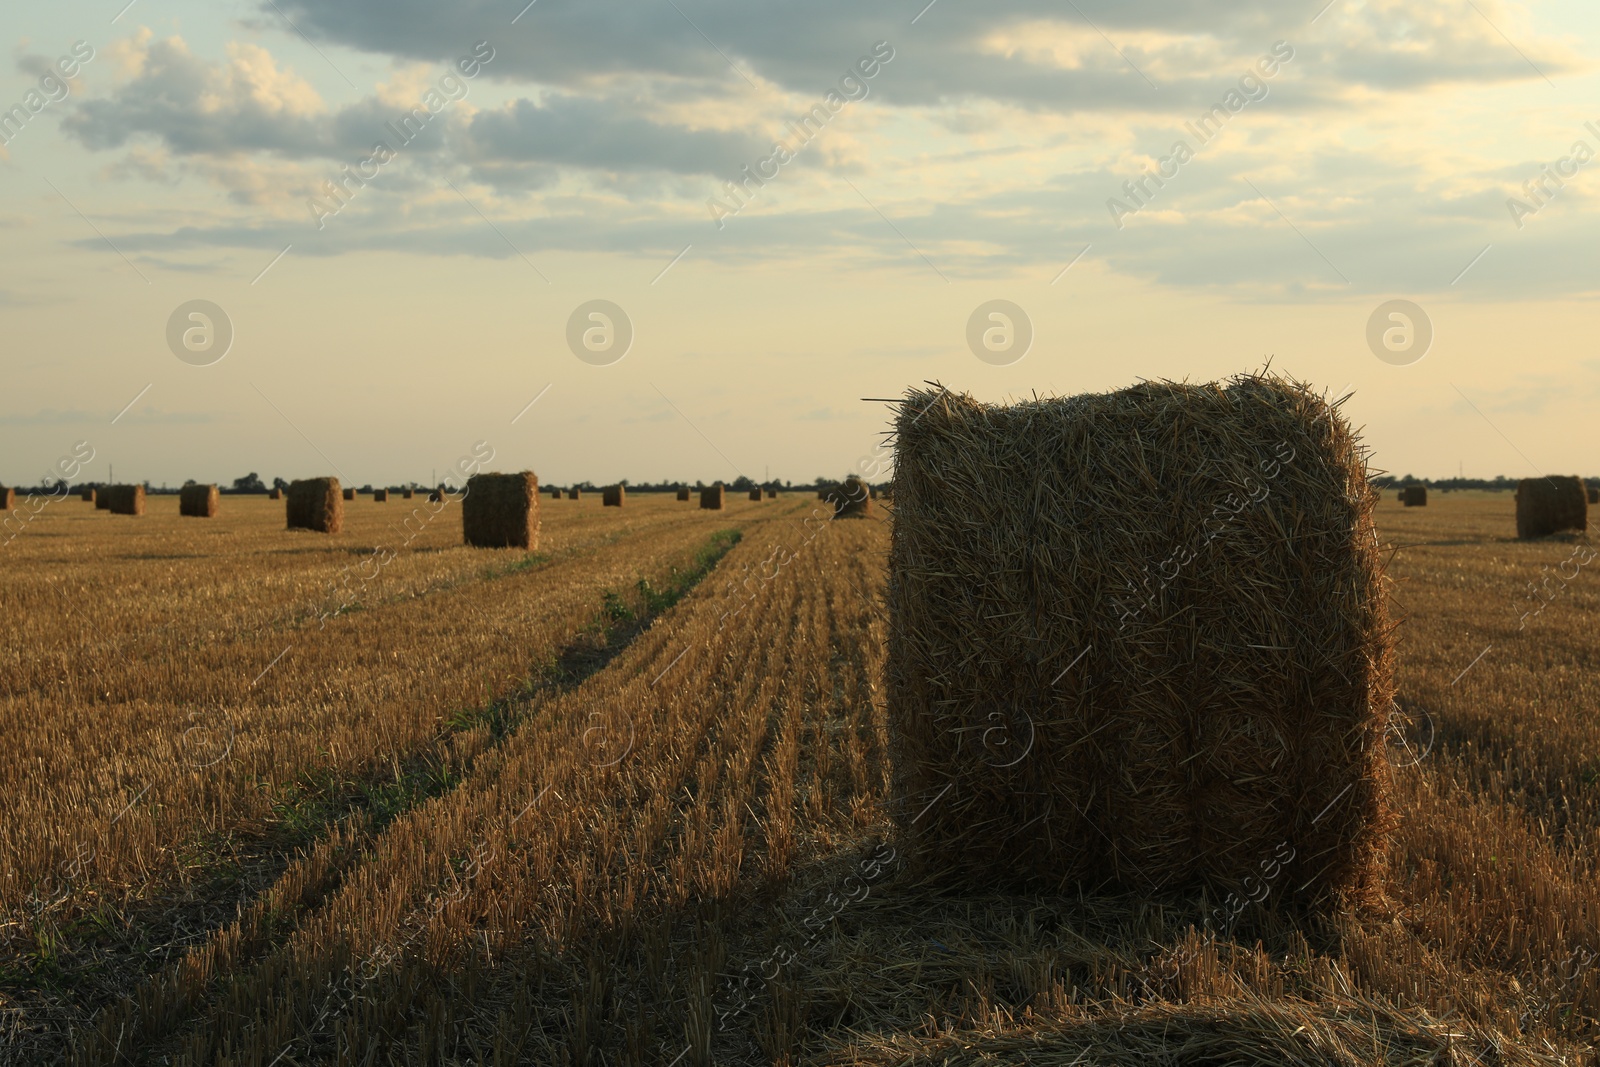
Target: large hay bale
[199,501]
[380,496]
[1140,639]
[711,497]
[612,496]
[88,496]
[851,500]
[1551,504]
[683,492]
[349,494]
[501,511]
[756,495]
[124,499]
[1414,496]
[316,504]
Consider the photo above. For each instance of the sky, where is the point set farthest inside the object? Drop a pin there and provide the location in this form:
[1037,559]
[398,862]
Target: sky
[785,209]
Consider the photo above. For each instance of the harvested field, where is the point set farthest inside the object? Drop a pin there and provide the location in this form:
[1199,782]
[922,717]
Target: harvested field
[688,847]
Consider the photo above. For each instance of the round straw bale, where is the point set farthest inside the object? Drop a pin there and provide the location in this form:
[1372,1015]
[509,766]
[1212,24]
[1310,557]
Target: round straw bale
[555,492]
[275,494]
[1414,496]
[683,492]
[851,500]
[612,496]
[574,493]
[102,499]
[380,496]
[501,511]
[199,501]
[349,494]
[88,496]
[756,494]
[1550,504]
[1594,495]
[316,504]
[125,499]
[1140,639]
[8,499]
[711,497]
[772,494]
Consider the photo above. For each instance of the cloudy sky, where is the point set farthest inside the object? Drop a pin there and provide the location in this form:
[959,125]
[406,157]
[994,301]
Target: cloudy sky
[402,212]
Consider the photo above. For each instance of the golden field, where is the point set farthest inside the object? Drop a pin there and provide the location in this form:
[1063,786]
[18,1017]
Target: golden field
[517,808]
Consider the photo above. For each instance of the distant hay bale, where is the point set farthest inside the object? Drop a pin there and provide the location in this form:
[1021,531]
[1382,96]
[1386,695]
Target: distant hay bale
[574,493]
[757,495]
[435,496]
[555,492]
[612,496]
[124,499]
[1594,495]
[199,501]
[349,494]
[683,492]
[407,494]
[8,498]
[1551,504]
[772,494]
[1414,496]
[711,498]
[1140,639]
[872,491]
[501,511]
[380,496]
[316,504]
[851,500]
[88,496]
[275,494]
[102,499]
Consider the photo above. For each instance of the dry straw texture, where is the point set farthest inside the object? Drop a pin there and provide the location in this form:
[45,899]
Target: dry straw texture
[199,501]
[711,498]
[316,504]
[1141,639]
[683,492]
[1414,496]
[501,511]
[1551,504]
[613,496]
[380,496]
[125,499]
[851,500]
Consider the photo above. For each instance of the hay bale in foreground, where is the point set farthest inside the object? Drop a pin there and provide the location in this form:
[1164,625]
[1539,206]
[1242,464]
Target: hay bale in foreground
[124,499]
[756,495]
[199,501]
[851,500]
[1414,496]
[501,511]
[1140,639]
[683,492]
[711,498]
[612,496]
[88,496]
[380,496]
[316,504]
[1551,504]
